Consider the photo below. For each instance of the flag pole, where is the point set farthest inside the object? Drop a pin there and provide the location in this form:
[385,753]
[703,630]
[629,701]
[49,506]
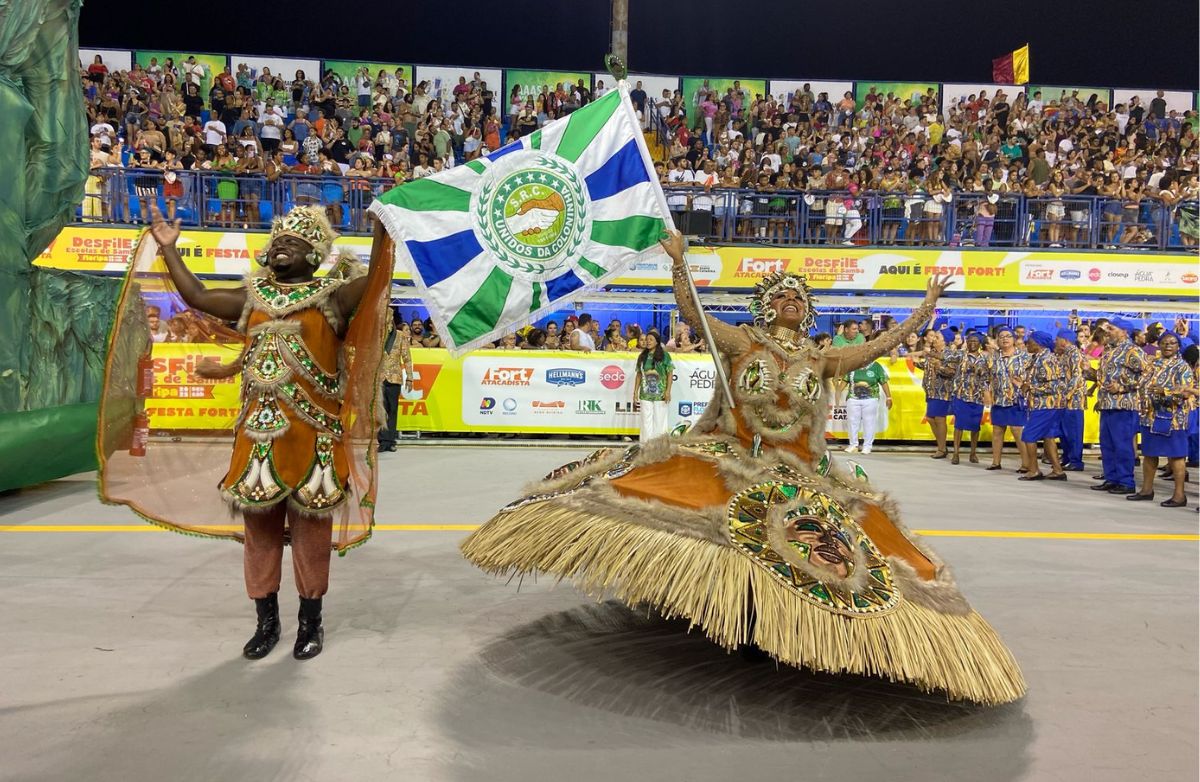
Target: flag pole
[708,337]
[616,67]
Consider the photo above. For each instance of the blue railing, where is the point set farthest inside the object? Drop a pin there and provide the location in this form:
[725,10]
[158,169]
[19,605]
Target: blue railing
[212,199]
[960,219]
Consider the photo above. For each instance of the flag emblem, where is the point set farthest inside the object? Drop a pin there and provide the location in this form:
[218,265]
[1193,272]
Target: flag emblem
[531,211]
[501,240]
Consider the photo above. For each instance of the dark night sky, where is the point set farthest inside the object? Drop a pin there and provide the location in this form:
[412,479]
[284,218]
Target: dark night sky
[1095,43]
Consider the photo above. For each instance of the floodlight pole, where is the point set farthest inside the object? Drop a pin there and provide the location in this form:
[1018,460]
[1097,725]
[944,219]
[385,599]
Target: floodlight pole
[620,29]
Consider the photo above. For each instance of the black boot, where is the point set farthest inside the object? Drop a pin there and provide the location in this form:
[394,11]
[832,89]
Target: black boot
[266,635]
[310,637]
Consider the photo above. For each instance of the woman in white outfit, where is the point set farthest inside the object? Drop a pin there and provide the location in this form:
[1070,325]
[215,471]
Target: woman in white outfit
[652,387]
[865,387]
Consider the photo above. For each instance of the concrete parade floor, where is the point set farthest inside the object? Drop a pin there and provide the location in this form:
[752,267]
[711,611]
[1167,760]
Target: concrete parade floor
[120,657]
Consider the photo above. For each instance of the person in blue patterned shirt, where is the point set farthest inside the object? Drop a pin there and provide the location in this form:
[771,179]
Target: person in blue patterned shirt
[938,383]
[1042,387]
[970,382]
[1167,396]
[1074,398]
[1005,368]
[1118,379]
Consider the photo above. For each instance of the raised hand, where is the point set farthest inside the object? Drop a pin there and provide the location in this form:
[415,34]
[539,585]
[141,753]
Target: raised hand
[937,286]
[166,234]
[674,244]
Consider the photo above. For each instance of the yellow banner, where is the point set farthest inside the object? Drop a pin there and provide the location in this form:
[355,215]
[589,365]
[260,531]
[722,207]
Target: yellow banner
[518,391]
[850,269]
[84,248]
[181,399]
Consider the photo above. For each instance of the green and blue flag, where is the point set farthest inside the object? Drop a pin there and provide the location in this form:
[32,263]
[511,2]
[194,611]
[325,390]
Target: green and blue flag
[498,242]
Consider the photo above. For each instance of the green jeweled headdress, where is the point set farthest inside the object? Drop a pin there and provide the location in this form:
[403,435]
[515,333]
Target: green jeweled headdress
[309,224]
[773,283]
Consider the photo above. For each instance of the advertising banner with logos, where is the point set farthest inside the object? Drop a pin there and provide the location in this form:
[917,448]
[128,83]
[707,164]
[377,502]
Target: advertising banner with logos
[516,391]
[892,269]
[902,269]
[568,393]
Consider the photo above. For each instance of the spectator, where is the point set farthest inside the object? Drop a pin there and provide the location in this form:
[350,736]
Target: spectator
[910,160]
[583,336]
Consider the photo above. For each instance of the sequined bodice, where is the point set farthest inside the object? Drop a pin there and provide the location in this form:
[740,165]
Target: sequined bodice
[290,366]
[778,388]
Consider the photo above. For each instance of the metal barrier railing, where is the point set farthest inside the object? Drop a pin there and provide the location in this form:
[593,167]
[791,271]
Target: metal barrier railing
[879,218]
[214,199]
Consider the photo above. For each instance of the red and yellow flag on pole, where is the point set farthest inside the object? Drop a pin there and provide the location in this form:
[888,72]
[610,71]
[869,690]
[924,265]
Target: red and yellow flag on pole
[1012,68]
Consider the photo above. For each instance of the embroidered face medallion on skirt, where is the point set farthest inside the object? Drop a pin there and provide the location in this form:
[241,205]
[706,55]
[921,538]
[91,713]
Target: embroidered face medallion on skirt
[820,533]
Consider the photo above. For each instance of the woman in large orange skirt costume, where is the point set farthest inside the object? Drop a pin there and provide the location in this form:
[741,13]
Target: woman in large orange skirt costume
[745,525]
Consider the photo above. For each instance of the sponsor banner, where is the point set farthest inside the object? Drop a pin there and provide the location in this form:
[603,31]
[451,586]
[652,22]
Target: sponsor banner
[181,399]
[892,269]
[1162,278]
[900,269]
[567,393]
[229,253]
[517,391]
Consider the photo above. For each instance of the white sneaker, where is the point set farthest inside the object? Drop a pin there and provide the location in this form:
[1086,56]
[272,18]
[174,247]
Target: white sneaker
[866,449]
[851,449]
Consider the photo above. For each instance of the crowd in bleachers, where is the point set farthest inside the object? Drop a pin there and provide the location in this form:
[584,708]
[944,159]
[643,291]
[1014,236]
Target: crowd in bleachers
[257,134]
[985,168]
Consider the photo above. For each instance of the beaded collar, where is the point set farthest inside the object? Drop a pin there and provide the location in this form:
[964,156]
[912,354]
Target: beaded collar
[786,338]
[280,295]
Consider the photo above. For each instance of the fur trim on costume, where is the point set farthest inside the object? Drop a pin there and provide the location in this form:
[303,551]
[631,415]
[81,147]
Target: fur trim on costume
[212,369]
[601,499]
[280,327]
[719,589]
[942,594]
[575,477]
